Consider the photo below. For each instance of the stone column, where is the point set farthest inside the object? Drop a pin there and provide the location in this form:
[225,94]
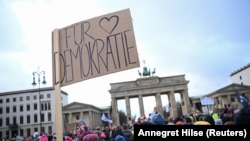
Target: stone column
[141,106]
[173,106]
[81,115]
[91,119]
[70,118]
[229,101]
[216,102]
[220,105]
[128,110]
[115,115]
[159,103]
[187,105]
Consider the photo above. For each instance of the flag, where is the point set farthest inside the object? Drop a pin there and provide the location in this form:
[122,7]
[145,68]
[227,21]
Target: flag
[105,119]
[242,99]
[133,119]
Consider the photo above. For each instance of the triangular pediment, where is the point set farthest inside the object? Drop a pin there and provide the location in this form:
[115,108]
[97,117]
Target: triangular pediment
[77,105]
[231,88]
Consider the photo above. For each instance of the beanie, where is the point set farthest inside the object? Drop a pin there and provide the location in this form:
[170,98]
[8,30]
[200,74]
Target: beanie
[158,119]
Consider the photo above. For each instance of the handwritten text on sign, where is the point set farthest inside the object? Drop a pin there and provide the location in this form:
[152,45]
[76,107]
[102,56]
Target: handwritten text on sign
[96,47]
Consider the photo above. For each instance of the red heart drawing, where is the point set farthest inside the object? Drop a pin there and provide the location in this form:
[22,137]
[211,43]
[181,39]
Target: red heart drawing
[109,24]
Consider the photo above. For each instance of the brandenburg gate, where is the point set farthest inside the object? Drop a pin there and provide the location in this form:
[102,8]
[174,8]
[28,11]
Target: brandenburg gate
[151,86]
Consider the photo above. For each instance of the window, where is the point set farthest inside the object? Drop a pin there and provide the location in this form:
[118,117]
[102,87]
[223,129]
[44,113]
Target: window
[34,97]
[42,116]
[1,110]
[7,109]
[232,99]
[49,106]
[28,98]
[14,120]
[28,131]
[21,132]
[14,109]
[28,118]
[28,107]
[49,117]
[77,117]
[20,98]
[7,100]
[1,122]
[35,106]
[41,96]
[21,108]
[45,106]
[48,95]
[21,119]
[42,107]
[1,101]
[36,129]
[14,99]
[7,121]
[50,129]
[7,133]
[240,77]
[35,118]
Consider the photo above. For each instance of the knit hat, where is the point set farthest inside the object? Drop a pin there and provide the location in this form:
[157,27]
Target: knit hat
[91,137]
[119,138]
[81,121]
[179,123]
[158,119]
[202,123]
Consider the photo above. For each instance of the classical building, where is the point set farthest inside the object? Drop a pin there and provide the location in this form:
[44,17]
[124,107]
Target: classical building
[20,111]
[151,86]
[74,112]
[226,96]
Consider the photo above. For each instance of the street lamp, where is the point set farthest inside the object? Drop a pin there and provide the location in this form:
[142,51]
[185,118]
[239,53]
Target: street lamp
[38,73]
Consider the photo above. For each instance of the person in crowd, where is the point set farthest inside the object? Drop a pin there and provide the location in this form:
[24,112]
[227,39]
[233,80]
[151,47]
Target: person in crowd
[82,131]
[118,134]
[127,133]
[158,119]
[91,137]
[243,116]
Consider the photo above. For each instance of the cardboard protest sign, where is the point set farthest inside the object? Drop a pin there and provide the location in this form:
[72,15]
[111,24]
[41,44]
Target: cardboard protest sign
[96,47]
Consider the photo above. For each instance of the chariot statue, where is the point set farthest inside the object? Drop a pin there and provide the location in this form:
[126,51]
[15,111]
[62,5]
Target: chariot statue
[146,71]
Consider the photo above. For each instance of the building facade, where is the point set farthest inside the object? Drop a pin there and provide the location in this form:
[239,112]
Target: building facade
[22,112]
[241,76]
[76,111]
[226,96]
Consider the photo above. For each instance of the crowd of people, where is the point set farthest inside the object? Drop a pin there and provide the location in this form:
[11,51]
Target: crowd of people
[125,132]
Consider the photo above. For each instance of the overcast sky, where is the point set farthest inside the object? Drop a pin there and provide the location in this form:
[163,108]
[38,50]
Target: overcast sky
[204,39]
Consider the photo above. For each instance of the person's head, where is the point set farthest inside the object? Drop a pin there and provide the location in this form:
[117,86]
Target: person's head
[170,119]
[218,122]
[91,137]
[81,122]
[118,128]
[158,119]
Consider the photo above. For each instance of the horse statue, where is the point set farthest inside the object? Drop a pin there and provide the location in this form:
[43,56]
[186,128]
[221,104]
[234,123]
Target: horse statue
[146,71]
